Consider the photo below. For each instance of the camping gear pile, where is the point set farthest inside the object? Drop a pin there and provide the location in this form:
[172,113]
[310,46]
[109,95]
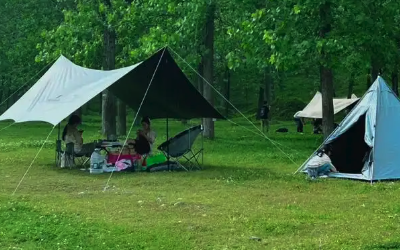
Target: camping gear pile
[117,158]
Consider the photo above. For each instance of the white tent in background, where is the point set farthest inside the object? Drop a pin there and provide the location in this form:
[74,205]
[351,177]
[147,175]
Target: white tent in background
[314,108]
[366,145]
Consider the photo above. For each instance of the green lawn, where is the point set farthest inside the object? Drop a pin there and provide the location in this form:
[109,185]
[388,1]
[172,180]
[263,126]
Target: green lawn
[247,189]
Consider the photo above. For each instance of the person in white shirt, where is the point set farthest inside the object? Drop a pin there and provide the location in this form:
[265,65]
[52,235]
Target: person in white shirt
[71,134]
[321,164]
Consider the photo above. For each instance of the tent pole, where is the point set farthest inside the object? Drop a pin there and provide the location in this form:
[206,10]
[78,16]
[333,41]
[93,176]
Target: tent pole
[168,158]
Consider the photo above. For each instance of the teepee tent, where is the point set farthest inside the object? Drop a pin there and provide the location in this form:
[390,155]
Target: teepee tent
[366,145]
[314,107]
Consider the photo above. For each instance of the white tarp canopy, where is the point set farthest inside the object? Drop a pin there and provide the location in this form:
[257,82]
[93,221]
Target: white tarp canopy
[65,87]
[314,108]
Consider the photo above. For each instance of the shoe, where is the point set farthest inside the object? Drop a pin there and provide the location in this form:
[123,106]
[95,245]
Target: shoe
[323,176]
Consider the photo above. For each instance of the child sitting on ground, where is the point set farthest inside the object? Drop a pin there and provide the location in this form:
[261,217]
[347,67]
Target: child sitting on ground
[321,164]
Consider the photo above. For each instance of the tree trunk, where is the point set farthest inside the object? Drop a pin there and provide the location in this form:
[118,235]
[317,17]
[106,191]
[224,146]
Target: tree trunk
[121,124]
[101,103]
[109,116]
[269,82]
[327,101]
[369,79]
[395,73]
[326,74]
[395,82]
[261,95]
[1,93]
[246,97]
[109,101]
[227,91]
[85,108]
[208,123]
[200,70]
[351,85]
[375,70]
[78,112]
[8,94]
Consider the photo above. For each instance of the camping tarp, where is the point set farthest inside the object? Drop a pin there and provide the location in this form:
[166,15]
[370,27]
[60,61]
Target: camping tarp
[366,144]
[65,87]
[314,108]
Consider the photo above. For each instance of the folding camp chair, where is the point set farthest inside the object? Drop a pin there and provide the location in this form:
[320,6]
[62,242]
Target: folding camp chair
[79,159]
[180,147]
[71,158]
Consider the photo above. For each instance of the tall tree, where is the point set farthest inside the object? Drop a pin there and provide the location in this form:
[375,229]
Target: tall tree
[208,60]
[109,108]
[121,123]
[326,70]
[227,80]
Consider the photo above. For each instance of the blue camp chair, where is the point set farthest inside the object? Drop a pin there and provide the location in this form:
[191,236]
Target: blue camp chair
[179,148]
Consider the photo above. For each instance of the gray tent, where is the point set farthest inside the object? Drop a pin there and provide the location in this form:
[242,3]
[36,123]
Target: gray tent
[366,144]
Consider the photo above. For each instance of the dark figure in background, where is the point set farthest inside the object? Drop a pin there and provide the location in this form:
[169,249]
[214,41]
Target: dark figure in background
[264,116]
[317,126]
[299,123]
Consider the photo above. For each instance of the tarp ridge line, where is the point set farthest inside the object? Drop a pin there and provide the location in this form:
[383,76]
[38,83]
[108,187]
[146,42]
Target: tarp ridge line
[34,159]
[136,115]
[265,136]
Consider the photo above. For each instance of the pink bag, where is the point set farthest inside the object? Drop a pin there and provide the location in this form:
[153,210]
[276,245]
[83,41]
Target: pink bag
[123,164]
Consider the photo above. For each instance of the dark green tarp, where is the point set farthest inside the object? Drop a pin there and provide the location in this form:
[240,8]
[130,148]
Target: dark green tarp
[171,94]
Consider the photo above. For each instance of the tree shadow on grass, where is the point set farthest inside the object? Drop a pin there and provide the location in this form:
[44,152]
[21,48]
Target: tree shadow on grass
[234,173]
[384,246]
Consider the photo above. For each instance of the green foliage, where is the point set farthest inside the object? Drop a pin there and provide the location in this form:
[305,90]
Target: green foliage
[22,23]
[285,108]
[250,37]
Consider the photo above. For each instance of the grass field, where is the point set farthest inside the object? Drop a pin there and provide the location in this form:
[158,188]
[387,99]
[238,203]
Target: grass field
[245,198]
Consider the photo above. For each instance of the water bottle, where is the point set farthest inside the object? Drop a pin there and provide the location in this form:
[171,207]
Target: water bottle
[96,162]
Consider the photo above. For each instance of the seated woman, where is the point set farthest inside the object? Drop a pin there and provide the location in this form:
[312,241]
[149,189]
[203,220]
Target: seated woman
[71,134]
[321,164]
[143,144]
